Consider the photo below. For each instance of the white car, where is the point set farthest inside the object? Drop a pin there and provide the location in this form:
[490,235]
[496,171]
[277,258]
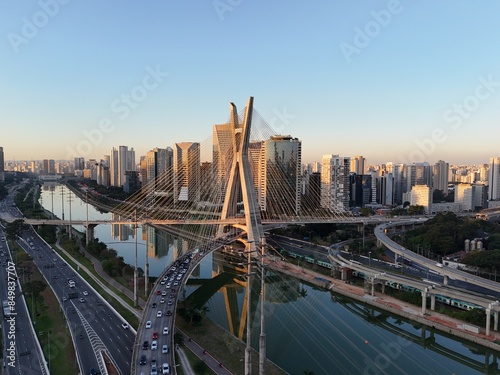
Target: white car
[165,369]
[85,293]
[154,345]
[164,349]
[165,330]
[148,324]
[124,325]
[158,314]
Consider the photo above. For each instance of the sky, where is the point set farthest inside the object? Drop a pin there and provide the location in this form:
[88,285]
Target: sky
[400,81]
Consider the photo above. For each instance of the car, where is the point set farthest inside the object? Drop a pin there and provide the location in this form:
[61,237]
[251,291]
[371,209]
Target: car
[158,314]
[92,371]
[148,324]
[81,300]
[125,326]
[162,282]
[176,283]
[170,302]
[155,335]
[162,300]
[145,345]
[85,293]
[154,345]
[165,330]
[143,360]
[55,276]
[165,369]
[65,299]
[153,305]
[168,313]
[158,292]
[154,371]
[164,293]
[164,349]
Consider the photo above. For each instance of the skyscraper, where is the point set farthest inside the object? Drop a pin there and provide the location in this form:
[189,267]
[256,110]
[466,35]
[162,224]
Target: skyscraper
[158,168]
[221,155]
[120,161]
[335,183]
[494,179]
[186,171]
[358,164]
[440,172]
[279,182]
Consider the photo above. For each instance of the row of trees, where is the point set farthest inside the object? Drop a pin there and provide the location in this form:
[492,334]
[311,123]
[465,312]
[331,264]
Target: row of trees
[112,264]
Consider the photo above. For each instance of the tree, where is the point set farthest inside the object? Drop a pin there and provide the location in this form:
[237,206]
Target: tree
[416,210]
[14,230]
[34,287]
[366,211]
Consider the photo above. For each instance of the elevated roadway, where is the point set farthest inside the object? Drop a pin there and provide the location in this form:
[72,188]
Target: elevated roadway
[489,304]
[446,272]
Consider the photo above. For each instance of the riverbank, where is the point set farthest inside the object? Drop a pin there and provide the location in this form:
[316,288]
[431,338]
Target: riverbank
[387,303]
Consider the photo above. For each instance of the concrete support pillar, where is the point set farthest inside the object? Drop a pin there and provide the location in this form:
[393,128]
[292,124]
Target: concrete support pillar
[343,274]
[383,288]
[446,279]
[373,288]
[424,300]
[495,320]
[89,233]
[433,302]
[488,321]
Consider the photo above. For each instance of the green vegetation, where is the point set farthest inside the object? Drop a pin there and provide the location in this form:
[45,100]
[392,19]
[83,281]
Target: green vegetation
[444,234]
[112,264]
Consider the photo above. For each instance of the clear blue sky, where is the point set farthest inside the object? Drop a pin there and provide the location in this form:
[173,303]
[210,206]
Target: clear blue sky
[422,69]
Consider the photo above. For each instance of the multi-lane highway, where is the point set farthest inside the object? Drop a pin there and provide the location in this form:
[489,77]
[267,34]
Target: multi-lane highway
[23,354]
[96,328]
[155,342]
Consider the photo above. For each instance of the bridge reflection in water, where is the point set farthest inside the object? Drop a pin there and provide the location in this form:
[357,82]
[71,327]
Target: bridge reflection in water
[292,307]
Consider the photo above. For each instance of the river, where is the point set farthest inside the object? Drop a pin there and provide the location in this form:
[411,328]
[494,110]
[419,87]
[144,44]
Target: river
[307,329]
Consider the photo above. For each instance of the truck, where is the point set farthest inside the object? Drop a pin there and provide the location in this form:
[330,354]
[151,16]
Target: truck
[71,283]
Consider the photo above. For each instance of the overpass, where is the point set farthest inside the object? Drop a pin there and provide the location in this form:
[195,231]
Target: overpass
[447,272]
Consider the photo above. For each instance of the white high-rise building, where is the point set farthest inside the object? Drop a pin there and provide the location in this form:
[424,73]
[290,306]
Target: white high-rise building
[335,183]
[494,179]
[421,195]
[464,195]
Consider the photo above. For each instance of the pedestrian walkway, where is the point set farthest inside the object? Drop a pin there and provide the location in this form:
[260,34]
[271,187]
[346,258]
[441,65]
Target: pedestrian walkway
[202,354]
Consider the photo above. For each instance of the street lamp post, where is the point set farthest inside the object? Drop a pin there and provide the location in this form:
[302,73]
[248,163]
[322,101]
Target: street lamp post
[248,348]
[48,341]
[262,337]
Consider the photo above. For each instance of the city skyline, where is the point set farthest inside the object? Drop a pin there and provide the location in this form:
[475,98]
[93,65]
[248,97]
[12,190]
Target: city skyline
[388,80]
